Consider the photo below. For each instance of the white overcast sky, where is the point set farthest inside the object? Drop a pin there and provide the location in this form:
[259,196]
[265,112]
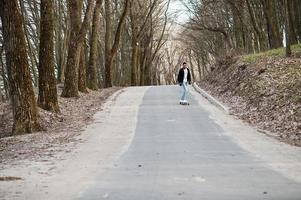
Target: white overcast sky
[176,7]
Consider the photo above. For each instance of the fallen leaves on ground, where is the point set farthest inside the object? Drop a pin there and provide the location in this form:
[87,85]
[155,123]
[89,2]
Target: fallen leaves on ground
[266,93]
[60,129]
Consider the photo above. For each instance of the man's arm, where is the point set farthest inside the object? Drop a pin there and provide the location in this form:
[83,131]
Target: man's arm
[179,77]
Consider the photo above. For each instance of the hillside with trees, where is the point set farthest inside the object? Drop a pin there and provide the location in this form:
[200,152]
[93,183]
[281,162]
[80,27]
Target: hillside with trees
[247,54]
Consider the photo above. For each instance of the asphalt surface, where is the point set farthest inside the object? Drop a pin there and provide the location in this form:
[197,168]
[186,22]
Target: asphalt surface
[178,152]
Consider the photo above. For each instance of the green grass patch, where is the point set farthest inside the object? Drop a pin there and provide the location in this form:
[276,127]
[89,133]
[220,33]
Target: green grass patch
[280,52]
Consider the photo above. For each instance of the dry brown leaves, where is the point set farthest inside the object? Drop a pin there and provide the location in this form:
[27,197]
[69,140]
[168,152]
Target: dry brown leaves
[266,94]
[61,129]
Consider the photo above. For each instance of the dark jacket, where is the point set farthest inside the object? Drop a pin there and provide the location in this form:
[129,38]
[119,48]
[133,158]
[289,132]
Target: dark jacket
[181,76]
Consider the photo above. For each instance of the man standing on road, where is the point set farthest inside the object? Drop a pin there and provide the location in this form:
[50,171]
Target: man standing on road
[183,79]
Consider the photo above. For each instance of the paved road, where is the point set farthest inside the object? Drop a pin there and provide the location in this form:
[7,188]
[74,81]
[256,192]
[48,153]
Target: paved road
[178,152]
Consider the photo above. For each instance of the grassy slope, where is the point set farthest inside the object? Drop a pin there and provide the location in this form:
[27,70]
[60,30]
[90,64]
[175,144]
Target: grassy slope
[278,53]
[263,89]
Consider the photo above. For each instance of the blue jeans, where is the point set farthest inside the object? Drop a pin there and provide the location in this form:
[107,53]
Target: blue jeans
[184,91]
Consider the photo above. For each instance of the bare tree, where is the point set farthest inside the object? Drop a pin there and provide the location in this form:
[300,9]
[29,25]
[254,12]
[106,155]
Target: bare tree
[21,90]
[91,69]
[47,82]
[111,51]
[78,33]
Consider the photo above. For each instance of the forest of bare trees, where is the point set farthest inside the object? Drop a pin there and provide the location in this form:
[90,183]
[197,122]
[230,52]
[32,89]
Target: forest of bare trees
[87,45]
[220,28]
[81,45]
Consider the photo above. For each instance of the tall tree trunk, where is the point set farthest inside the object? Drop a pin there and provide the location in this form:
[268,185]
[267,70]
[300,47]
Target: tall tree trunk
[82,80]
[237,7]
[47,82]
[259,33]
[108,43]
[191,65]
[71,71]
[143,57]
[134,62]
[134,46]
[199,68]
[287,7]
[125,62]
[25,110]
[297,18]
[139,52]
[4,73]
[148,60]
[204,67]
[293,23]
[77,37]
[92,69]
[110,53]
[62,39]
[31,41]
[272,24]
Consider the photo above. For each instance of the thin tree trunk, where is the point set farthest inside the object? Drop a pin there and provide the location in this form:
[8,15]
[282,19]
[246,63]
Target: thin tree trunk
[199,68]
[287,7]
[82,81]
[92,69]
[62,63]
[3,72]
[108,43]
[297,11]
[148,60]
[191,66]
[110,53]
[134,47]
[60,40]
[134,63]
[293,23]
[256,27]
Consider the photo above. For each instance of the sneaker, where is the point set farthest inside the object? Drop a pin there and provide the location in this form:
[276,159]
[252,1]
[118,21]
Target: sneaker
[185,102]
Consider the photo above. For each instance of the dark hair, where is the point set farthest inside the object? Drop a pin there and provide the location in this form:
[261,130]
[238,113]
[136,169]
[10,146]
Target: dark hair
[184,63]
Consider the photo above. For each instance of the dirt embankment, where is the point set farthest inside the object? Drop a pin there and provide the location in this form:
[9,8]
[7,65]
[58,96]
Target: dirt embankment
[262,89]
[60,129]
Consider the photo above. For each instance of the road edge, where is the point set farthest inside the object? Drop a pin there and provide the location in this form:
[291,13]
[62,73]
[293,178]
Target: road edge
[212,99]
[278,156]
